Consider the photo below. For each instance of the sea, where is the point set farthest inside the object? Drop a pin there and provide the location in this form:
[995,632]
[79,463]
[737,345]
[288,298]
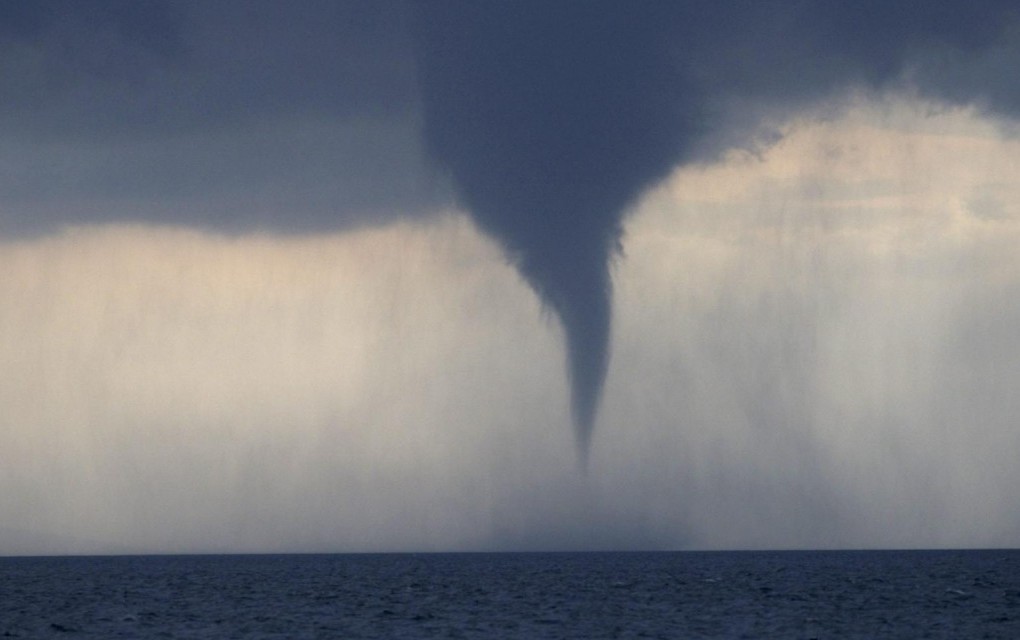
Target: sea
[750,594]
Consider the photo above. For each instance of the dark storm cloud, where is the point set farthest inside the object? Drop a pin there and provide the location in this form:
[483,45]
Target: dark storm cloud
[109,67]
[150,24]
[229,114]
[553,117]
[192,111]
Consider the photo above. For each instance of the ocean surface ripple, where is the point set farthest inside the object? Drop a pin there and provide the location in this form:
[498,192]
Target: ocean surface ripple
[794,594]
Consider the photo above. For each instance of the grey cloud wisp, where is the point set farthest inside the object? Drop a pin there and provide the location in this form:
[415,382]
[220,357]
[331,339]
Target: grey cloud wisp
[549,118]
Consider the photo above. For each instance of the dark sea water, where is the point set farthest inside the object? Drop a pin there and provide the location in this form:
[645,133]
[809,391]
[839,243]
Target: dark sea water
[866,594]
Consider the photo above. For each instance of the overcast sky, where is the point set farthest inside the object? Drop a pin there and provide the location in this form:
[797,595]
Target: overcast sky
[331,276]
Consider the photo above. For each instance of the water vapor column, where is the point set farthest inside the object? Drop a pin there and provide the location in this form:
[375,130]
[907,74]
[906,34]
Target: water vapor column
[550,122]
